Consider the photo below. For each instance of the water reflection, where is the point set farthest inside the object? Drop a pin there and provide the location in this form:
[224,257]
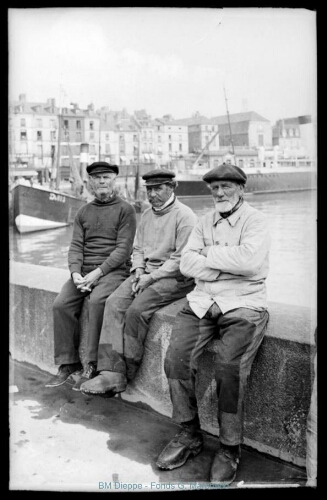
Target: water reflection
[293,257]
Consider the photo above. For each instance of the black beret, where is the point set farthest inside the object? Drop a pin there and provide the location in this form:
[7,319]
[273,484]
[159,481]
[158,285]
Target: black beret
[99,167]
[225,172]
[158,176]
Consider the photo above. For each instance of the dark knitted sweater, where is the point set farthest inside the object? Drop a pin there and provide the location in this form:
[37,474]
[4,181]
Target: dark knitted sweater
[103,236]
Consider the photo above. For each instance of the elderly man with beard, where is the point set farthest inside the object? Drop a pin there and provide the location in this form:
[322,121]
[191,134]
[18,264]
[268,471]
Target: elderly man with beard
[227,255]
[99,260]
[155,281]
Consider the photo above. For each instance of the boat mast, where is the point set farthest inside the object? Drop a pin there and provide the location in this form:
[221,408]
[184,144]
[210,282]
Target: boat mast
[230,129]
[58,152]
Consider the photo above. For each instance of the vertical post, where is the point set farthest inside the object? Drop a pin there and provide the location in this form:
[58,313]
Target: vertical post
[84,159]
[137,170]
[58,173]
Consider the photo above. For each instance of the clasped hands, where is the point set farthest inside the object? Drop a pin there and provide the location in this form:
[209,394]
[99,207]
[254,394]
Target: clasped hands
[87,283]
[141,281]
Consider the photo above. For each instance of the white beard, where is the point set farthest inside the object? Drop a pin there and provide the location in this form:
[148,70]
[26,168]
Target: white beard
[224,206]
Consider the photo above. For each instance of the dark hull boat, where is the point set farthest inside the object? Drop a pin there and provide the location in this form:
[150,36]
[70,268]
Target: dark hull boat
[259,182]
[36,209]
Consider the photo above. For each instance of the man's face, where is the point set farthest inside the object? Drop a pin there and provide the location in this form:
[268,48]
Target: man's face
[158,195]
[226,194]
[103,184]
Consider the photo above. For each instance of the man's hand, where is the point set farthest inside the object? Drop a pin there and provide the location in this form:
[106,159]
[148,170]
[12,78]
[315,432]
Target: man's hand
[205,251]
[143,282]
[87,283]
[78,279]
[138,273]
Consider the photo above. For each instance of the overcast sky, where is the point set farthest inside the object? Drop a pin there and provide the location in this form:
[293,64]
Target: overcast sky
[167,60]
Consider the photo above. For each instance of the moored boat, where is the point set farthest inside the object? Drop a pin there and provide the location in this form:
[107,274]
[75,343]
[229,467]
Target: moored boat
[259,181]
[36,208]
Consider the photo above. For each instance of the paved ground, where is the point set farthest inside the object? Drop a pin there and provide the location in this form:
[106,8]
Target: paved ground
[62,440]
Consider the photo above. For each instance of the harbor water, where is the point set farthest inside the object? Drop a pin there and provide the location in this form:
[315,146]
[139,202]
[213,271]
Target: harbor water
[292,219]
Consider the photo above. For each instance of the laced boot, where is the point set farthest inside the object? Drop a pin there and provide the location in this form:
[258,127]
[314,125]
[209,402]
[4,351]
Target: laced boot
[63,374]
[88,373]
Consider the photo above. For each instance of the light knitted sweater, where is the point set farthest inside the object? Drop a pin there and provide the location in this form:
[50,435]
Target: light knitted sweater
[160,239]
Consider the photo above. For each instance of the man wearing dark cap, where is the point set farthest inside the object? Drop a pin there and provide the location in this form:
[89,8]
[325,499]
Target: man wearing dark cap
[99,260]
[155,281]
[227,255]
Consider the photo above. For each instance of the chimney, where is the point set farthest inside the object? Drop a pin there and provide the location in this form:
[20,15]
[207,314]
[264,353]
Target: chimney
[22,97]
[90,107]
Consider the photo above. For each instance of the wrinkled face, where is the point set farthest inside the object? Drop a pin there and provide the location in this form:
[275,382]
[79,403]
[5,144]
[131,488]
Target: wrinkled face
[158,195]
[225,194]
[103,184]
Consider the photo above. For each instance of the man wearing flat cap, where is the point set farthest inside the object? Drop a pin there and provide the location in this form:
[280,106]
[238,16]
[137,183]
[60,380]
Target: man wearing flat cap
[155,281]
[99,260]
[227,255]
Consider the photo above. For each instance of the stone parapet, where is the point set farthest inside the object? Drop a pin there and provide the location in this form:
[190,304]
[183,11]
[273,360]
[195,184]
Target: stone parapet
[279,389]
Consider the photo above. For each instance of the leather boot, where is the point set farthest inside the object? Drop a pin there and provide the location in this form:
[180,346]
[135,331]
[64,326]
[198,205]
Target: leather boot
[188,442]
[224,466]
[109,383]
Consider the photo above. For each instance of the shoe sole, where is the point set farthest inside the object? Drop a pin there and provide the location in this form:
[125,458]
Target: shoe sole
[115,390]
[192,453]
[55,385]
[223,483]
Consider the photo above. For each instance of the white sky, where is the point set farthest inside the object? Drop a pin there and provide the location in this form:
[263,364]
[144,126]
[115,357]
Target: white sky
[167,60]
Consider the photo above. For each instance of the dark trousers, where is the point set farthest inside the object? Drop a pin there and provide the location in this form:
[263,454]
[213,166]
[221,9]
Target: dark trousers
[126,322]
[239,333]
[66,312]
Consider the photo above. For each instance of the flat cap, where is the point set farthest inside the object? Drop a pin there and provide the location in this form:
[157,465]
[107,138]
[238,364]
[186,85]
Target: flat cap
[225,172]
[99,167]
[158,176]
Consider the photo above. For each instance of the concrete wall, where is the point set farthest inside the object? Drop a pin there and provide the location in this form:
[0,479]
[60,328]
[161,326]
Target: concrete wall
[279,392]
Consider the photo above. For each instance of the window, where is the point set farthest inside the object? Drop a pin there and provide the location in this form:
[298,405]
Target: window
[134,138]
[121,138]
[135,150]
[144,134]
[23,135]
[107,149]
[169,137]
[150,146]
[150,134]
[213,129]
[107,137]
[92,149]
[38,135]
[78,124]
[22,122]
[228,162]
[66,124]
[207,139]
[297,132]
[291,132]
[78,136]
[180,147]
[53,123]
[39,122]
[53,135]
[215,163]
[180,138]
[91,135]
[39,152]
[159,138]
[240,163]
[91,125]
[170,149]
[260,139]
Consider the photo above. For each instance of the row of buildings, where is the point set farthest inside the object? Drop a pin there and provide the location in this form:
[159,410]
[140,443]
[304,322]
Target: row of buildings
[42,136]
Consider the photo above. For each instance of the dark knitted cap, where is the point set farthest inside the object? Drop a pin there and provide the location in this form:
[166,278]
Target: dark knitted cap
[100,167]
[158,176]
[225,172]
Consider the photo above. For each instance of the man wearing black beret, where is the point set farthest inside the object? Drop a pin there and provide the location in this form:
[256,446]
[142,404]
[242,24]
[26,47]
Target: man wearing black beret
[227,255]
[99,260]
[156,281]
